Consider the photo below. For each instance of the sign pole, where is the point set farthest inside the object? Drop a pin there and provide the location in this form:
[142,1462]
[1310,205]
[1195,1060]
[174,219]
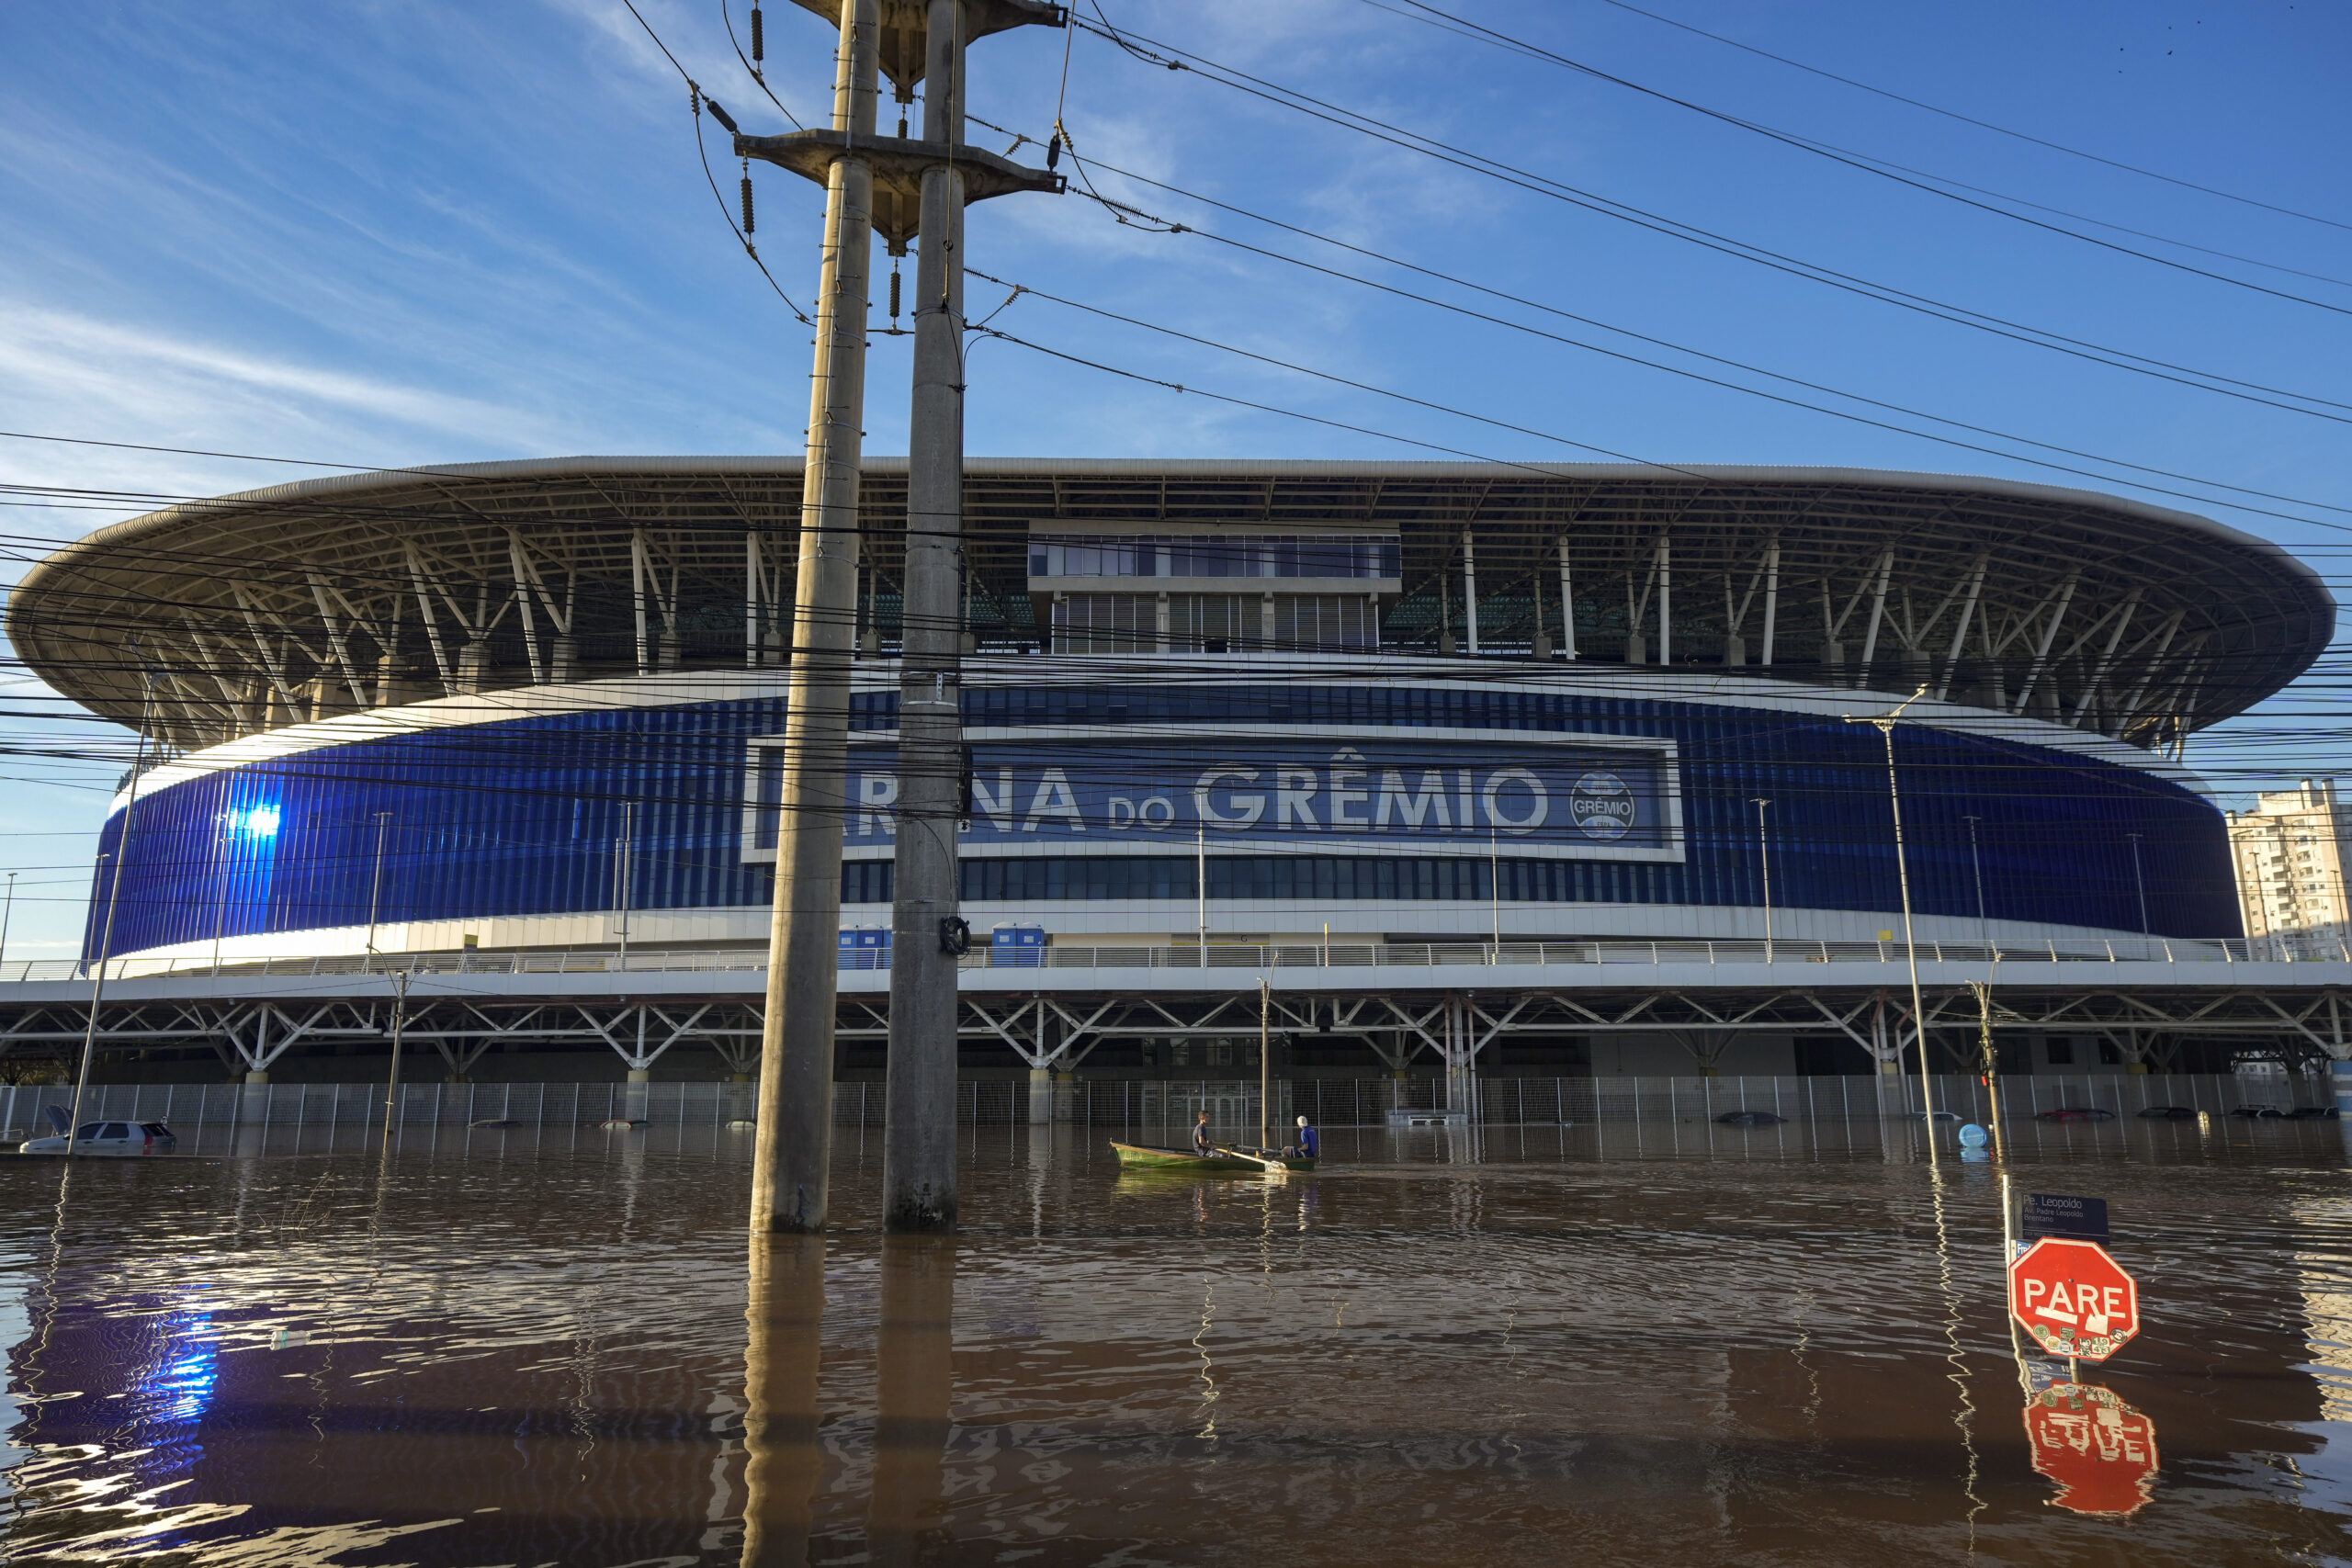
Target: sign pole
[1991,1059]
[2010,1256]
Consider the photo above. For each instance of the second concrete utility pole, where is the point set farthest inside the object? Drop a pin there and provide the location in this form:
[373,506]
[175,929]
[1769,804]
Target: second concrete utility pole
[897,186]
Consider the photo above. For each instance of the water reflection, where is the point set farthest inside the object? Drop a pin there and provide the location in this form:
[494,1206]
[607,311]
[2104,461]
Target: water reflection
[2100,1451]
[1782,1354]
[914,1344]
[783,1350]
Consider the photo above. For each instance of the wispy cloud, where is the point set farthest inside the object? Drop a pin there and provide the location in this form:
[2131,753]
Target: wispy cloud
[151,381]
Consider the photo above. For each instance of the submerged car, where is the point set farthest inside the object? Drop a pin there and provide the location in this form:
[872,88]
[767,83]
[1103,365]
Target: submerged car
[2076,1113]
[104,1137]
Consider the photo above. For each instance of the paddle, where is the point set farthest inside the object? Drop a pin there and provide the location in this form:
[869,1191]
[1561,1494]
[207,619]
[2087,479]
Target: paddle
[1270,1162]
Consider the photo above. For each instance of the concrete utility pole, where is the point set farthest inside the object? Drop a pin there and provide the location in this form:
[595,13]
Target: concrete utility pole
[795,1113]
[926,933]
[899,188]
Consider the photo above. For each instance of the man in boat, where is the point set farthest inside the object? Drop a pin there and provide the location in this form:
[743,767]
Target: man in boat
[1203,1143]
[1304,1147]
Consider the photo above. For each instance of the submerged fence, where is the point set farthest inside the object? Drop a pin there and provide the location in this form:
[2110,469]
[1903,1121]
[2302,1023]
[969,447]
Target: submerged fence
[1145,1104]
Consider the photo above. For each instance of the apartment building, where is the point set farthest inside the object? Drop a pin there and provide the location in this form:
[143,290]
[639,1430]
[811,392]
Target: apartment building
[2289,857]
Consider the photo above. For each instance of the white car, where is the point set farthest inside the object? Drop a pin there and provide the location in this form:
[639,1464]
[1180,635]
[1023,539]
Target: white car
[105,1138]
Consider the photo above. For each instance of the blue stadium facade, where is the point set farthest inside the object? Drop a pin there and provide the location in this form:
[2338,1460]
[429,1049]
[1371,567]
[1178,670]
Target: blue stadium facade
[525,705]
[503,820]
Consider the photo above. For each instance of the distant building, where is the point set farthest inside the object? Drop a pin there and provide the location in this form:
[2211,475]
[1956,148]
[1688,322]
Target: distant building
[2289,851]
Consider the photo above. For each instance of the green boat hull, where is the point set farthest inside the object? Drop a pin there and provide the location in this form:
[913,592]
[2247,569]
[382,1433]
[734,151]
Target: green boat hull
[1146,1157]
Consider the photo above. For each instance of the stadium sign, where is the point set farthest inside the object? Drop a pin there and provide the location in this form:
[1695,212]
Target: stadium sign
[1162,789]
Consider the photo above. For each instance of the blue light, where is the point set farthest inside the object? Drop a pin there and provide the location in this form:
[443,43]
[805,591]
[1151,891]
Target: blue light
[261,821]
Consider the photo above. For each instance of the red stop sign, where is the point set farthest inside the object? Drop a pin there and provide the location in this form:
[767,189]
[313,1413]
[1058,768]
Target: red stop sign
[2100,1451]
[2073,1299]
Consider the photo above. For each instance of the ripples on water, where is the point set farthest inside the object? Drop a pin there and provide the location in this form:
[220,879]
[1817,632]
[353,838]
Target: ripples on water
[516,1349]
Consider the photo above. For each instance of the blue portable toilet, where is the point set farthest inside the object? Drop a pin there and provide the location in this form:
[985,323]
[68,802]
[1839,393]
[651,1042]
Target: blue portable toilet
[1017,947]
[865,947]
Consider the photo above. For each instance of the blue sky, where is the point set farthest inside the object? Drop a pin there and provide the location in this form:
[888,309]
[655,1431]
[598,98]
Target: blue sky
[384,233]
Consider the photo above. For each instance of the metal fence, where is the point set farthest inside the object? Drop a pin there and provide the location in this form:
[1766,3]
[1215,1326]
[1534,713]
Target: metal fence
[1141,1105]
[1368,1103]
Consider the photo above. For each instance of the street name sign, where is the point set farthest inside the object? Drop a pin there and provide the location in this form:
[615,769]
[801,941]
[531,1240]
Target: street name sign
[2073,1299]
[2055,1214]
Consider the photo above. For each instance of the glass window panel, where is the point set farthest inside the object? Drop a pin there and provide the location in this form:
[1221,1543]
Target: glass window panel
[1213,555]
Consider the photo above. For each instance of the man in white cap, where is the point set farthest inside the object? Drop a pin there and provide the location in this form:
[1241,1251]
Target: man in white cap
[1304,1147]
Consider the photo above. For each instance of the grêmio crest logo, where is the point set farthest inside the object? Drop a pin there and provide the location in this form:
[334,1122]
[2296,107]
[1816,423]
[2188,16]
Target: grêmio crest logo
[1602,806]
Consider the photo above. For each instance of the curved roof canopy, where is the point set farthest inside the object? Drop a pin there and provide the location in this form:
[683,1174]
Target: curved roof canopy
[275,605]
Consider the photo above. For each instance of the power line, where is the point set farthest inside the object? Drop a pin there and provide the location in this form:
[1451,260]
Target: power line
[1700,354]
[1565,441]
[1464,30]
[696,97]
[1980,124]
[727,15]
[2186,375]
[1134,216]
[1837,155]
[1606,207]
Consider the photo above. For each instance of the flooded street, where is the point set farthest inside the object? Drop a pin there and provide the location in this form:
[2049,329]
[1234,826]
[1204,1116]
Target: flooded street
[532,1348]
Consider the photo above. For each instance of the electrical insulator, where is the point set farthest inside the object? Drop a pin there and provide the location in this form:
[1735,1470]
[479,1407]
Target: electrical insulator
[1053,152]
[894,293]
[747,202]
[759,43]
[902,127]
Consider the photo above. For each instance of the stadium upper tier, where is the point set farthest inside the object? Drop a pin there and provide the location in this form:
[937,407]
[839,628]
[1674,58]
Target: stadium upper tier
[300,602]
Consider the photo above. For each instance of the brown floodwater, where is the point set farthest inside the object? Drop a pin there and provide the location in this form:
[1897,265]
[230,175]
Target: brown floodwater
[1731,1347]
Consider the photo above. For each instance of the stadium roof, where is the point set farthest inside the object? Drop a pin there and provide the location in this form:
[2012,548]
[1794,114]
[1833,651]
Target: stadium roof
[264,607]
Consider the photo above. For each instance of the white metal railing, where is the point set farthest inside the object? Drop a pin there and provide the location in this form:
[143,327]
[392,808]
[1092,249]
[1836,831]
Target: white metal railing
[1217,955]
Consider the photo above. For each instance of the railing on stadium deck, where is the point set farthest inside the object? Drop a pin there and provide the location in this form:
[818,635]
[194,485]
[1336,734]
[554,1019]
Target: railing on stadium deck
[1218,955]
[284,1117]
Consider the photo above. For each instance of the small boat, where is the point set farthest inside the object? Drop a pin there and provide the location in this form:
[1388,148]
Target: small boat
[1148,1157]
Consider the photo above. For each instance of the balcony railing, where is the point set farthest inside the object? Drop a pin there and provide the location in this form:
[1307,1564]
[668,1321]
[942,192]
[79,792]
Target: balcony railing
[1252,956]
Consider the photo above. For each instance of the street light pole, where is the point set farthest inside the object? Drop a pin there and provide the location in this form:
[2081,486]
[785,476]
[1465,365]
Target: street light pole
[1201,889]
[392,1083]
[1976,862]
[120,853]
[2140,882]
[8,913]
[376,887]
[1495,891]
[1764,855]
[225,824]
[1265,1068]
[1885,726]
[624,864]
